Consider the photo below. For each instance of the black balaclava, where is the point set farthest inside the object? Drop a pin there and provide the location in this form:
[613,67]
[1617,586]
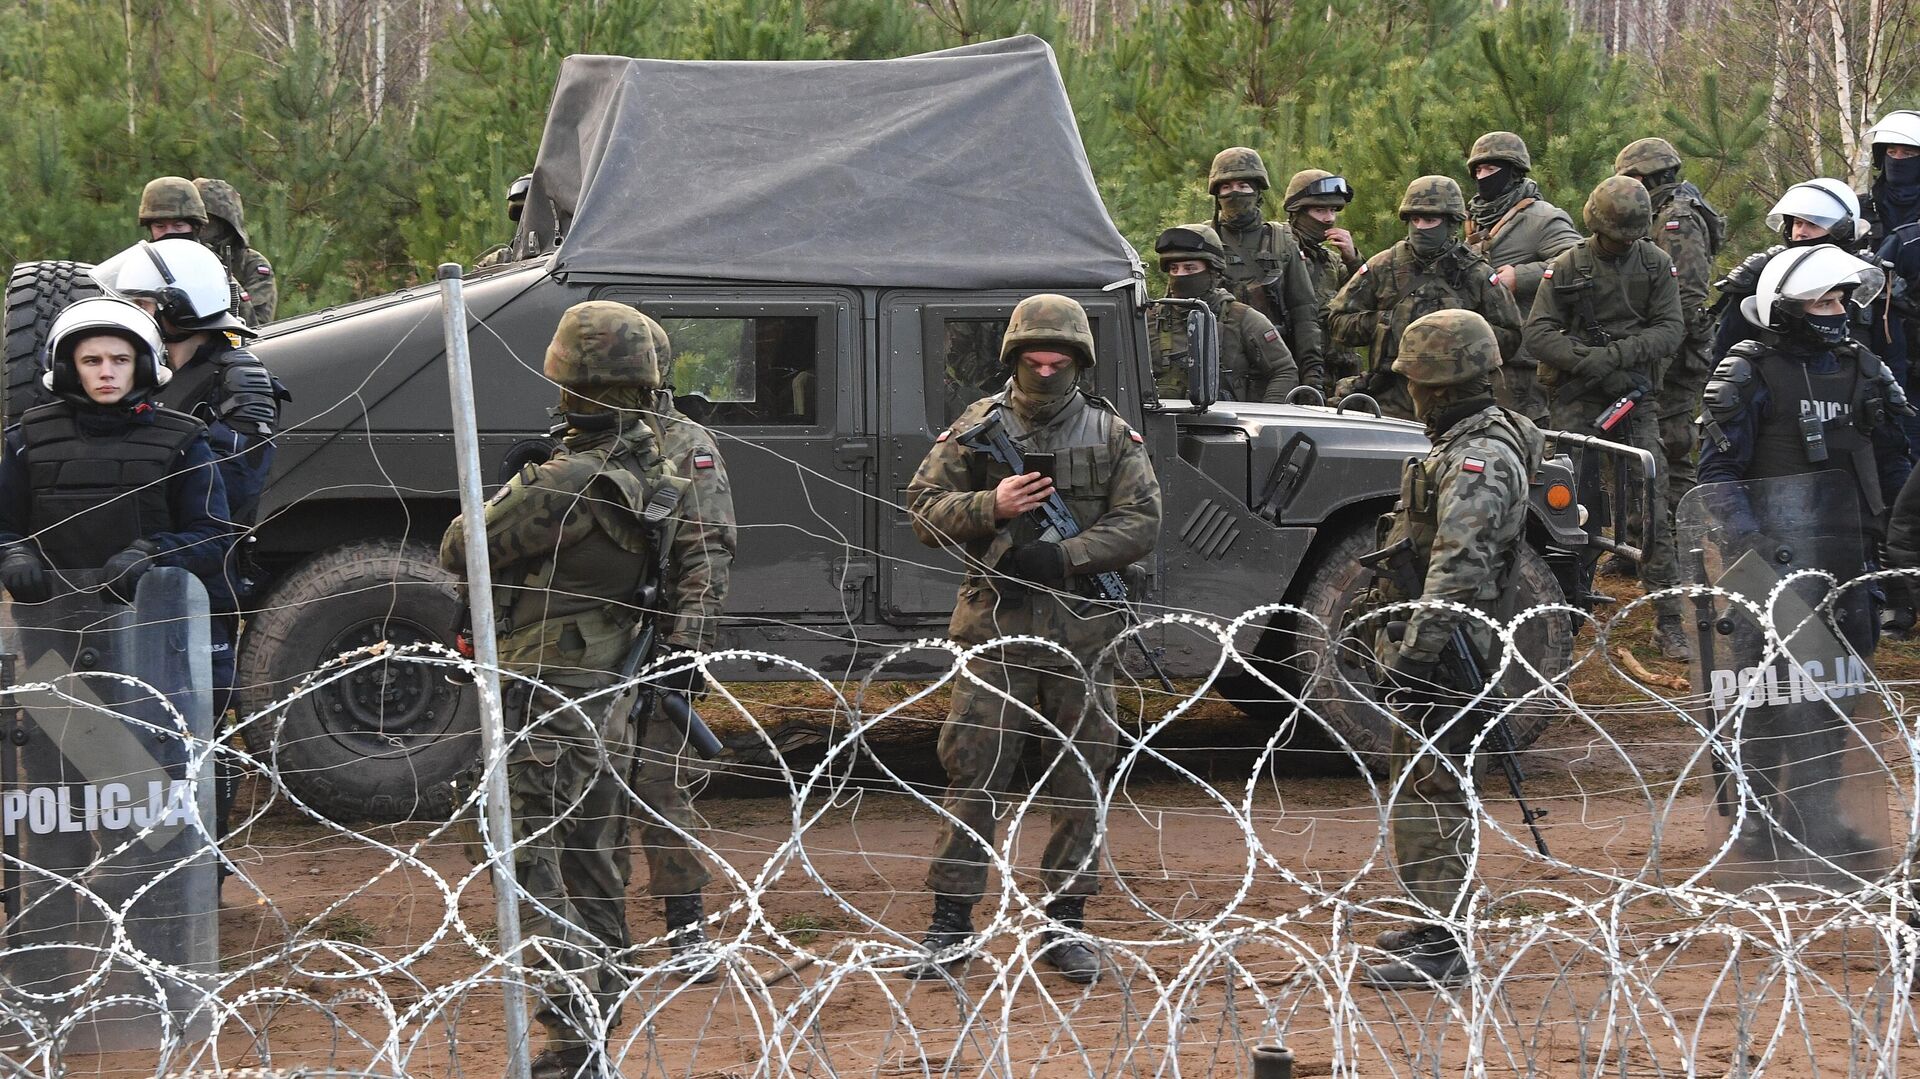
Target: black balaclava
[1190,286]
[1431,243]
[1496,183]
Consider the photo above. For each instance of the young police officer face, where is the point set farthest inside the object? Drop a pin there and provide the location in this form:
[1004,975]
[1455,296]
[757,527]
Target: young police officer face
[1804,231]
[1833,303]
[105,364]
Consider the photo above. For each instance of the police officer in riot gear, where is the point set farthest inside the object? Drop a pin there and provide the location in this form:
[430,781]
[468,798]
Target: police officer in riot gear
[1894,198]
[101,477]
[1819,211]
[218,382]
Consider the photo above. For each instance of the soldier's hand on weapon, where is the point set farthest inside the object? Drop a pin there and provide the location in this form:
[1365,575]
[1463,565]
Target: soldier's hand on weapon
[1621,383]
[123,571]
[1506,277]
[1041,563]
[1343,240]
[1016,495]
[25,575]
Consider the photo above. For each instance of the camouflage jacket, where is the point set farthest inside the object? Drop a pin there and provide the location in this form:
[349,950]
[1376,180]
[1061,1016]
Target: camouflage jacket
[1255,364]
[1634,303]
[1465,510]
[1527,241]
[1266,270]
[704,537]
[259,294]
[1394,288]
[1103,472]
[1681,229]
[569,551]
[1329,270]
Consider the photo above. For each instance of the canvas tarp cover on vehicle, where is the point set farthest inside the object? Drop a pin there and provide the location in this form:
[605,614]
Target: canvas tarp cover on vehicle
[956,169]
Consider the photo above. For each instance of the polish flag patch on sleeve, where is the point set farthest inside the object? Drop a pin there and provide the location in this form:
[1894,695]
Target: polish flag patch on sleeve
[1673,271]
[1473,464]
[1135,435]
[702,459]
[944,435]
[1547,273]
[1365,266]
[1272,335]
[1673,226]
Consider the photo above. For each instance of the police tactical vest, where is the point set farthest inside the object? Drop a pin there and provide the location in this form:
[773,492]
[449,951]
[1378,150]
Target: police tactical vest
[95,494]
[1840,399]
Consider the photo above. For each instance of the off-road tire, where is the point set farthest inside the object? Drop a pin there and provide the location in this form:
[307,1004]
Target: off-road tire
[36,294]
[386,742]
[1331,583]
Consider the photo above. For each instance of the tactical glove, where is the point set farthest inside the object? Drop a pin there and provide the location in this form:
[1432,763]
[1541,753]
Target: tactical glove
[25,575]
[1596,364]
[1621,383]
[1041,563]
[1420,675]
[124,570]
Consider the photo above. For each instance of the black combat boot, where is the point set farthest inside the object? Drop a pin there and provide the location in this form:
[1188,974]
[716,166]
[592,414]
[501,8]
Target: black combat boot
[1402,939]
[1071,956]
[573,1062]
[951,927]
[1619,565]
[688,937]
[1670,634]
[1429,958]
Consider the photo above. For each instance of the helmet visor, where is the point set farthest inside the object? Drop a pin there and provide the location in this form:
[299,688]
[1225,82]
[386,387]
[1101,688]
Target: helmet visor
[1326,186]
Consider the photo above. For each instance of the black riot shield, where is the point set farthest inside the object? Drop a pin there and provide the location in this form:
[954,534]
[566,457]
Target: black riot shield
[1784,681]
[106,808]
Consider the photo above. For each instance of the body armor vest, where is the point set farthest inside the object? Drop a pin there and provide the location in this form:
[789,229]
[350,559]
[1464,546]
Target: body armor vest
[94,494]
[1084,460]
[1840,401]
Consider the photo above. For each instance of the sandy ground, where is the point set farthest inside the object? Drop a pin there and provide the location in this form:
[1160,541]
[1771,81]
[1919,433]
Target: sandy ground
[1581,971]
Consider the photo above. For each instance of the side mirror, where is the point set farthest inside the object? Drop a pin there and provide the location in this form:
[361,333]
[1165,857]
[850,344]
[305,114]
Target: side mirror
[1203,351]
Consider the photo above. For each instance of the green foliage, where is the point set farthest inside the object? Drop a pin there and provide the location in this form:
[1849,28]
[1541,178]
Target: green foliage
[350,199]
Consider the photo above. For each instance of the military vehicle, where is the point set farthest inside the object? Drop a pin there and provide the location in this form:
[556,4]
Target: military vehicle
[833,305]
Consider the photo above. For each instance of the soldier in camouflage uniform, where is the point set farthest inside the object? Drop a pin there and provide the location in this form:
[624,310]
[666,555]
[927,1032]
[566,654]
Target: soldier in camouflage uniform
[501,254]
[1265,268]
[1517,231]
[1254,362]
[1020,583]
[570,536]
[1689,231]
[1430,270]
[1463,512]
[1313,203]
[171,206]
[226,234]
[1606,319]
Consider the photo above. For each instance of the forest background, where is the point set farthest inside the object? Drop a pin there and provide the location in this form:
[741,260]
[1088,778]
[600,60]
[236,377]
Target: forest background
[374,139]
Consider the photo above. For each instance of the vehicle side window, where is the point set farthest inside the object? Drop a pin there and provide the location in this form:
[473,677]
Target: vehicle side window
[746,371]
[964,365]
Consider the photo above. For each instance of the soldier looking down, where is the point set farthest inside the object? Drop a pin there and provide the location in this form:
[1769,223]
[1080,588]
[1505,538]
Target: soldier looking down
[1461,515]
[1254,362]
[1428,271]
[1021,582]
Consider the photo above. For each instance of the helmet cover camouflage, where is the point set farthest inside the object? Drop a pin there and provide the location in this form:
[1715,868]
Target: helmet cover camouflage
[1447,348]
[1186,242]
[1619,209]
[1500,148]
[1436,195]
[171,198]
[1298,198]
[223,202]
[1237,163]
[601,345]
[1048,319]
[1645,157]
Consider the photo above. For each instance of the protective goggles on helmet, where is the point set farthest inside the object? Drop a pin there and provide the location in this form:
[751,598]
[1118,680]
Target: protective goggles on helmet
[1330,185]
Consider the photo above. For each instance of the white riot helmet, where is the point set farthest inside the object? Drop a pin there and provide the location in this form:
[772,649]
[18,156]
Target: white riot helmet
[1898,128]
[1825,202]
[98,316]
[1799,274]
[186,280]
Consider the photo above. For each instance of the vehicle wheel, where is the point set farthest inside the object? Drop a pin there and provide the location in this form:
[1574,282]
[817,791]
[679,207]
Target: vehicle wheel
[36,294]
[1334,581]
[382,743]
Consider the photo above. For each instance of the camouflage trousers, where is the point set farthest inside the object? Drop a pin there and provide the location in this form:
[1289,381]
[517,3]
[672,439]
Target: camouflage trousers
[1516,385]
[1434,831]
[981,745]
[1680,397]
[1660,568]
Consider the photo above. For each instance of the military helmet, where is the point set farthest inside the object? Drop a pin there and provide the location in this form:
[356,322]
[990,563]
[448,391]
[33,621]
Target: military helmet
[1191,242]
[1047,319]
[1619,209]
[602,345]
[171,198]
[1316,187]
[1436,195]
[1447,348]
[223,202]
[1237,163]
[1645,157]
[1500,147]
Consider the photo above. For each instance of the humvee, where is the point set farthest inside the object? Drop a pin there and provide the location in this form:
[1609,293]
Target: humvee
[834,274]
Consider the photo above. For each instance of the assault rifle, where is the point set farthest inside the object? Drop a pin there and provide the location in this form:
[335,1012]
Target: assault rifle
[650,597]
[1057,523]
[1461,670]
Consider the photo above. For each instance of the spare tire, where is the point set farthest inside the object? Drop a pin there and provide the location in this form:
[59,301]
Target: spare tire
[385,742]
[36,294]
[1333,582]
